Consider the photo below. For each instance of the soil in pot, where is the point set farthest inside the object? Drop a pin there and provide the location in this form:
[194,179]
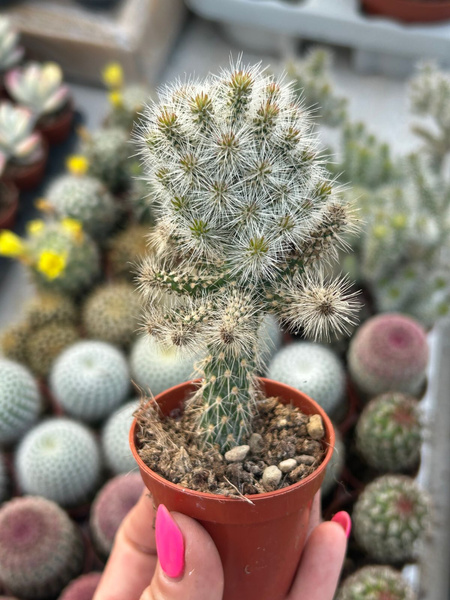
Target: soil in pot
[57,127]
[9,204]
[409,11]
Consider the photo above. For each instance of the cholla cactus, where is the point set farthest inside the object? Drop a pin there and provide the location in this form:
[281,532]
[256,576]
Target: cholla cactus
[18,143]
[10,52]
[247,217]
[38,87]
[313,83]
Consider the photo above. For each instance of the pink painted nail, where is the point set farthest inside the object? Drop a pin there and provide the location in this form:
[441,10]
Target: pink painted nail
[169,543]
[344,520]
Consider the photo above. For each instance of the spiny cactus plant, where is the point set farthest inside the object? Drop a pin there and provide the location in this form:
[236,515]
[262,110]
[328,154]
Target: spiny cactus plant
[247,217]
[46,308]
[389,433]
[10,51]
[312,78]
[81,588]
[20,401]
[390,518]
[155,369]
[46,343]
[111,313]
[60,257]
[115,443]
[108,153]
[389,353]
[335,466]
[126,250]
[59,459]
[82,197]
[111,505]
[313,369]
[13,341]
[90,380]
[376,583]
[4,479]
[41,549]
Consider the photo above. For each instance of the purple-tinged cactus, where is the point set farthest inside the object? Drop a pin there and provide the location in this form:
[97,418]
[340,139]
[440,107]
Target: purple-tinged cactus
[81,588]
[110,507]
[41,549]
[389,353]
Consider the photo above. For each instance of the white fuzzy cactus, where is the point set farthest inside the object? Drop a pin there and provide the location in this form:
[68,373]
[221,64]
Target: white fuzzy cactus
[247,217]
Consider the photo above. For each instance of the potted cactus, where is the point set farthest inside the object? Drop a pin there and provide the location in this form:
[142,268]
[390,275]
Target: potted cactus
[23,152]
[40,88]
[10,52]
[247,221]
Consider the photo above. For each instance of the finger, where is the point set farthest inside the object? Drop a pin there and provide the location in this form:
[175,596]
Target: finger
[321,564]
[189,563]
[132,562]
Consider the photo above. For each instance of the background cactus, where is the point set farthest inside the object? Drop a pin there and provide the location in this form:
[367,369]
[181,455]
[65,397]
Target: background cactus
[4,479]
[312,368]
[376,583]
[115,443]
[13,341]
[389,353]
[110,507]
[46,343]
[247,217]
[389,433]
[60,460]
[155,369]
[335,466]
[81,588]
[10,51]
[126,106]
[41,549]
[390,517]
[20,402]
[90,380]
[47,308]
[126,250]
[111,313]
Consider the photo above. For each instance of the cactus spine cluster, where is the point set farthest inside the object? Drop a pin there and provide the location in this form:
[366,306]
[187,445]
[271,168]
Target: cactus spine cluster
[390,517]
[246,217]
[376,583]
[41,549]
[389,433]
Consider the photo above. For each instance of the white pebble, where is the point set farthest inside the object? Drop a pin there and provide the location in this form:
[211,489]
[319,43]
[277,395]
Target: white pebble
[271,477]
[315,427]
[287,465]
[237,454]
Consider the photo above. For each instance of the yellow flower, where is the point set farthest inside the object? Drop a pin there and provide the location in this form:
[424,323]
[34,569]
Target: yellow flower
[11,244]
[35,226]
[112,75]
[115,99]
[77,164]
[73,227]
[51,264]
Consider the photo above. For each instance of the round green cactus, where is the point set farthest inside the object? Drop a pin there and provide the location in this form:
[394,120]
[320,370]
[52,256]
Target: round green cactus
[60,460]
[376,583]
[130,102]
[46,343]
[126,250]
[111,313]
[48,308]
[13,341]
[389,353]
[390,517]
[108,152]
[115,443]
[156,370]
[85,199]
[389,433]
[90,380]
[313,369]
[81,588]
[4,479]
[20,401]
[41,549]
[111,505]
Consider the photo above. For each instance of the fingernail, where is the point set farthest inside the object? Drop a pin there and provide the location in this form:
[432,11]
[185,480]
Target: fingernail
[344,520]
[169,543]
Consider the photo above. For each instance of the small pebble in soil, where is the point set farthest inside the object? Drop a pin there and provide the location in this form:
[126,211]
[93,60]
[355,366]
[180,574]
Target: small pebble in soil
[305,459]
[271,478]
[288,465]
[315,427]
[256,443]
[237,454]
[298,473]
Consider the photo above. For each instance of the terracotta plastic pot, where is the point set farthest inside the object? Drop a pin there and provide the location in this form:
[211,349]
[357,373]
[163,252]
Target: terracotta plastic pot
[28,177]
[409,11]
[9,213]
[260,542]
[56,128]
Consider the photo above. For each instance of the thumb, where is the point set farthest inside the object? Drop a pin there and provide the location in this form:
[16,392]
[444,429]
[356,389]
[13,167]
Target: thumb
[189,565]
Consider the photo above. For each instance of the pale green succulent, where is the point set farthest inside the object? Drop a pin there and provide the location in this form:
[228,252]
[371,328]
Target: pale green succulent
[10,52]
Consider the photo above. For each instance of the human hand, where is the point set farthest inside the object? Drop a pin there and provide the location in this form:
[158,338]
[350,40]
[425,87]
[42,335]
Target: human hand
[191,568]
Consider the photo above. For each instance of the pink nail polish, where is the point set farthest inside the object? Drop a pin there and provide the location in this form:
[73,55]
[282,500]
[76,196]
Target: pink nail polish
[344,520]
[169,543]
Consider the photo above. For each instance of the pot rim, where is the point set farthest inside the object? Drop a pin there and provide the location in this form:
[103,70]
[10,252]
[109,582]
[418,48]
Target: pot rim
[286,389]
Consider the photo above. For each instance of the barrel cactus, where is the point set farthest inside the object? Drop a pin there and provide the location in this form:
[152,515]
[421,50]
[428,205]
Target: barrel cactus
[376,583]
[389,433]
[111,313]
[46,343]
[13,341]
[111,505]
[60,460]
[390,518]
[115,443]
[90,380]
[81,588]
[20,401]
[108,153]
[389,353]
[126,250]
[314,369]
[47,308]
[41,549]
